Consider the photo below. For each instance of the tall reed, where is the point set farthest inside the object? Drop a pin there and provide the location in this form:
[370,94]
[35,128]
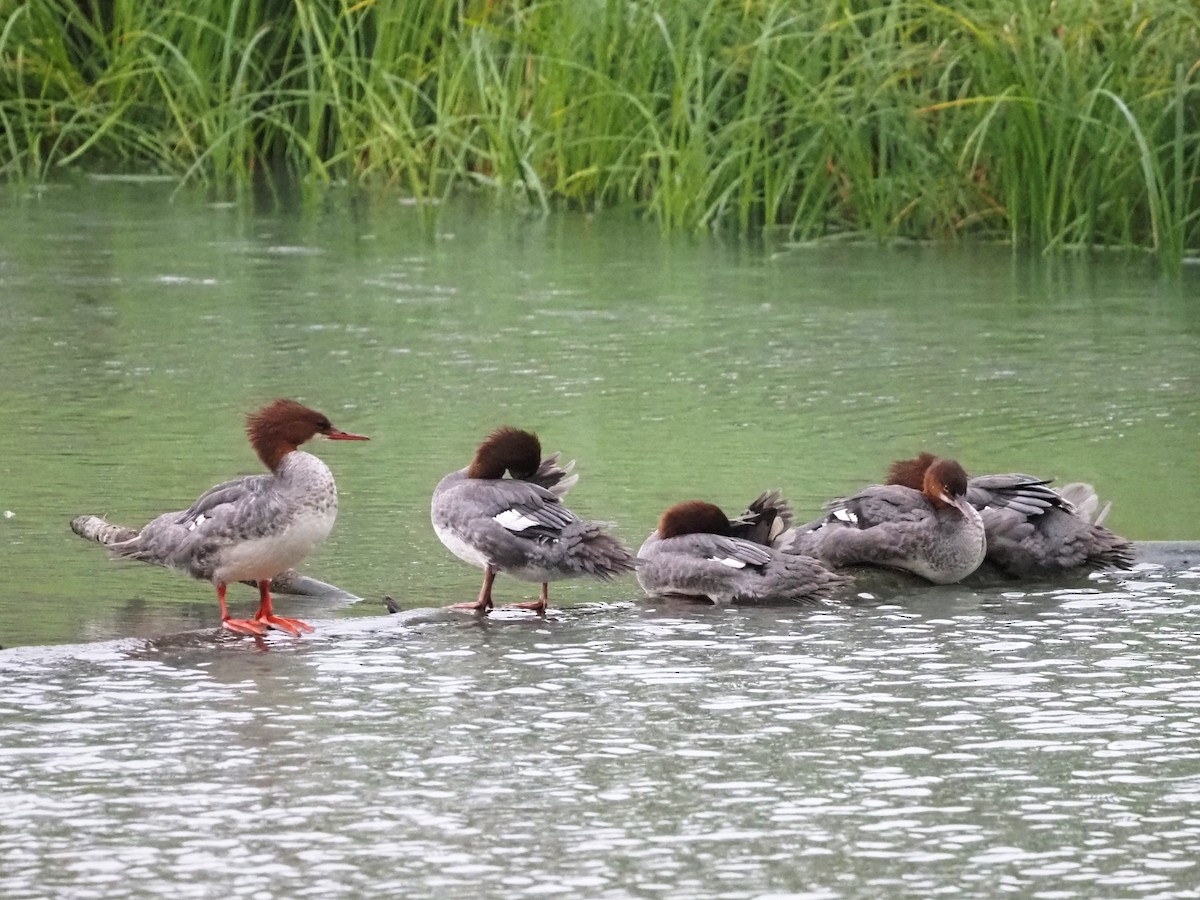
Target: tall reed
[1055,125]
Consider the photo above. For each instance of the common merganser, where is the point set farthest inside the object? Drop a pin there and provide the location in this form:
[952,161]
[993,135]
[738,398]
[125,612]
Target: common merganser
[1033,530]
[697,551]
[254,527]
[932,531]
[518,525]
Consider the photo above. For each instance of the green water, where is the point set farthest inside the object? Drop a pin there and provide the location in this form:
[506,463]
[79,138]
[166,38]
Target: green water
[136,331]
[1037,741]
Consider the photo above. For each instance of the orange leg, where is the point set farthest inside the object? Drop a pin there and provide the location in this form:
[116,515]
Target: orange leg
[266,615]
[241,626]
[484,603]
[539,605]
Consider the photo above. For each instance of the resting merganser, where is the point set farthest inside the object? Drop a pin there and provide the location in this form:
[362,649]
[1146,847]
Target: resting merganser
[697,551]
[931,531]
[1033,530]
[254,527]
[518,525]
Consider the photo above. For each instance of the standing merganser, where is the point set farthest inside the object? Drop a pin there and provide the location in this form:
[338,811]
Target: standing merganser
[1033,530]
[697,551]
[931,531]
[518,525]
[254,527]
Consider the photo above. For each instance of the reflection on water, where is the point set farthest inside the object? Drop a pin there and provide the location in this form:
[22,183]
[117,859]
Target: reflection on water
[1045,743]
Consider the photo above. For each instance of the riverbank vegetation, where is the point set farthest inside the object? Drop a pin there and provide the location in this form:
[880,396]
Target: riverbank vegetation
[1053,124]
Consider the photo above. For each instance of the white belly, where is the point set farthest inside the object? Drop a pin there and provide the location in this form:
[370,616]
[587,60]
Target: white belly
[262,558]
[460,548]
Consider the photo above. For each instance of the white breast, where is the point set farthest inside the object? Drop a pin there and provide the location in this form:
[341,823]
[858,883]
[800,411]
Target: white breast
[265,557]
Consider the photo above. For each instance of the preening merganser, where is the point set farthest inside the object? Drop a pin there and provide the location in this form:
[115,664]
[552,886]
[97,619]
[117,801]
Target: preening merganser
[931,531]
[697,551]
[254,527]
[518,525]
[1033,530]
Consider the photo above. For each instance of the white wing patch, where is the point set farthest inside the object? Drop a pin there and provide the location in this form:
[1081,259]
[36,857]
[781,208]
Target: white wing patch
[728,561]
[514,521]
[197,522]
[844,515]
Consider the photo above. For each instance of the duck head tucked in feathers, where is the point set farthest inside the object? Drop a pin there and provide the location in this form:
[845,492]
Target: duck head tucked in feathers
[519,525]
[698,551]
[507,449]
[693,517]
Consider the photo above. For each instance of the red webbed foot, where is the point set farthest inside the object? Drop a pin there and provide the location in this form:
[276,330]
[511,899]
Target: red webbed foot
[539,605]
[251,627]
[483,605]
[266,615]
[283,623]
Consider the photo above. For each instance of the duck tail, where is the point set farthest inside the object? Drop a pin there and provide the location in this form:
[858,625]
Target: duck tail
[1107,550]
[135,548]
[1111,550]
[122,542]
[764,520]
[1085,502]
[556,478]
[600,554]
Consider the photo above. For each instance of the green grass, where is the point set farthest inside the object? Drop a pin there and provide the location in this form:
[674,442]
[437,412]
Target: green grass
[1055,125]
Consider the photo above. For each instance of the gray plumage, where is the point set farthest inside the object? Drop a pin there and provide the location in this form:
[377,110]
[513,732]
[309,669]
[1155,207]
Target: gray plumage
[1043,539]
[256,527]
[522,528]
[735,562]
[897,527]
[294,509]
[1025,494]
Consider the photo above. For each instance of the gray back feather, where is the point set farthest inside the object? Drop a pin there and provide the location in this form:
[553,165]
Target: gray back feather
[1026,494]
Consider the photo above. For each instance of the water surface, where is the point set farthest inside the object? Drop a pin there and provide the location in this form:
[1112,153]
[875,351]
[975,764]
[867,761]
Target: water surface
[1041,746]
[1038,740]
[137,331]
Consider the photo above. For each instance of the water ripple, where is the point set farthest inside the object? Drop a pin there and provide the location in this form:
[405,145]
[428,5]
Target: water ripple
[1043,745]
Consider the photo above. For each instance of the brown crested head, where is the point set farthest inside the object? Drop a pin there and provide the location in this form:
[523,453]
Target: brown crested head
[693,517]
[910,472]
[945,483]
[283,425]
[507,449]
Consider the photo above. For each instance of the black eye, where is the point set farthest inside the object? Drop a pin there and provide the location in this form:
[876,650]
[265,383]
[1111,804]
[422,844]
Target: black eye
[324,425]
